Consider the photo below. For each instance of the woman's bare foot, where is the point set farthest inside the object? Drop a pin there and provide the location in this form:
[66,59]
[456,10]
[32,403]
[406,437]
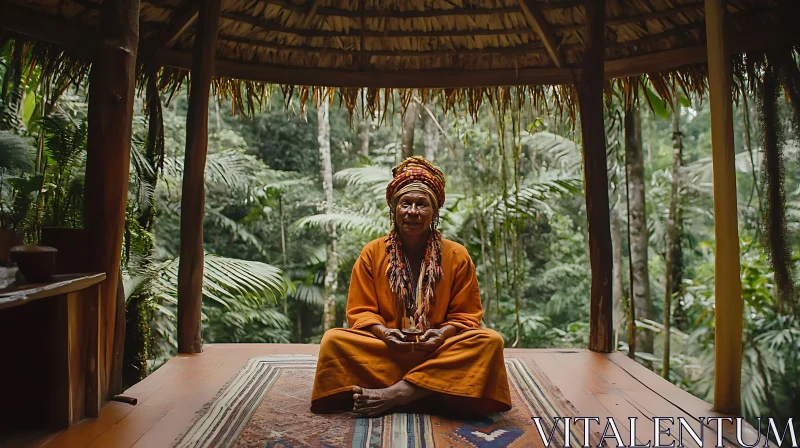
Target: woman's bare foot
[374,402]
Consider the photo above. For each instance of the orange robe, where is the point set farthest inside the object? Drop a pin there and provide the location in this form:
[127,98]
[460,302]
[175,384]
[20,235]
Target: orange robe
[466,372]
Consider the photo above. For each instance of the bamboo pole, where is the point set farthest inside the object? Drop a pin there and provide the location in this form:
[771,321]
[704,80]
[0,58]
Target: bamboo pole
[111,92]
[590,99]
[190,271]
[727,284]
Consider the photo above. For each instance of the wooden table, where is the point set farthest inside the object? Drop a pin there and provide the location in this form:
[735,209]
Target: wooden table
[49,350]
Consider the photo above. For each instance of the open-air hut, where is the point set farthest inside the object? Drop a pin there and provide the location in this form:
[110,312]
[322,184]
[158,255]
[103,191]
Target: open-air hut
[565,52]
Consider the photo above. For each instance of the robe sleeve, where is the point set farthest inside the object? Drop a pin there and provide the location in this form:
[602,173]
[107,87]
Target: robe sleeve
[362,300]
[464,310]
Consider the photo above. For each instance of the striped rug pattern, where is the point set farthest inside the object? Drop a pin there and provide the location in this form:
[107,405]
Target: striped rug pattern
[267,405]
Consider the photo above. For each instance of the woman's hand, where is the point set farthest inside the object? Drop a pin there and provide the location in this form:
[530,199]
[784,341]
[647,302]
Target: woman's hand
[434,338]
[394,338]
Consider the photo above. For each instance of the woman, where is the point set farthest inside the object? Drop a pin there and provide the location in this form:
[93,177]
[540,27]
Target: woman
[412,278]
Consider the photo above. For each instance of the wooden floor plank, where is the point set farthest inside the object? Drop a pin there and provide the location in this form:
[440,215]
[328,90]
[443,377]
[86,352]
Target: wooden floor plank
[163,433]
[145,415]
[170,397]
[649,403]
[87,432]
[586,404]
[657,393]
[606,394]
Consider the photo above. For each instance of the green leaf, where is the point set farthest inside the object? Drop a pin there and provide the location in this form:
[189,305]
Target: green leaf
[656,103]
[28,107]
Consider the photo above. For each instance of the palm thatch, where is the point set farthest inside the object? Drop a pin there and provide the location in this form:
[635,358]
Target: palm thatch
[465,51]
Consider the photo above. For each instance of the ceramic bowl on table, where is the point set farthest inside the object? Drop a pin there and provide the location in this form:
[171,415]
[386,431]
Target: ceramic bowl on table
[36,263]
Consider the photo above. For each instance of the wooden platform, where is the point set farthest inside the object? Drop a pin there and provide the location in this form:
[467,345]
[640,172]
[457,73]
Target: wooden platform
[597,385]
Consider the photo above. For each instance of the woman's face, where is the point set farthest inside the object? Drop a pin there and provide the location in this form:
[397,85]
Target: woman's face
[414,214]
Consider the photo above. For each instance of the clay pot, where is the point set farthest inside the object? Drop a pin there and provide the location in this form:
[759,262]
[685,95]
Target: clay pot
[36,263]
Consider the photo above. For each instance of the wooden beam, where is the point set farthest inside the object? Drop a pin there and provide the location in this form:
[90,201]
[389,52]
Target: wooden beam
[728,305]
[310,13]
[590,99]
[696,54]
[422,79]
[535,18]
[190,270]
[182,18]
[36,25]
[698,27]
[110,116]
[392,14]
[356,33]
[271,45]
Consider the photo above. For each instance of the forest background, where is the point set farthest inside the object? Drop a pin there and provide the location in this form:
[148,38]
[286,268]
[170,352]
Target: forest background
[293,194]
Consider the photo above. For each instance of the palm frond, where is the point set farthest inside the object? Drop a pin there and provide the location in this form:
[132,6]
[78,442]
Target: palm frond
[227,280]
[16,153]
[367,225]
[231,169]
[559,151]
[310,294]
[373,177]
[219,219]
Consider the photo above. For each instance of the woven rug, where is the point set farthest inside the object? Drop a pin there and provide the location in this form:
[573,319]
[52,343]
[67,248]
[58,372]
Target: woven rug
[267,405]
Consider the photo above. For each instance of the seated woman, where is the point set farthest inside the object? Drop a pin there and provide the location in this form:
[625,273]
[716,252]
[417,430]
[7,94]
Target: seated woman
[413,278]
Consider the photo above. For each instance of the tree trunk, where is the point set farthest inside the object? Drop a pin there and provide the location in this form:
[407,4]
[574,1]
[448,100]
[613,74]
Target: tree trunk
[672,267]
[429,133]
[590,100]
[110,116]
[779,247]
[190,269]
[283,250]
[363,137]
[15,99]
[326,171]
[640,291]
[407,138]
[618,289]
[484,264]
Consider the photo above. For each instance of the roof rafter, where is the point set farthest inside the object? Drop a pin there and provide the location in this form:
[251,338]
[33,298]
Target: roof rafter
[182,18]
[535,18]
[373,34]
[31,23]
[410,14]
[533,47]
[312,11]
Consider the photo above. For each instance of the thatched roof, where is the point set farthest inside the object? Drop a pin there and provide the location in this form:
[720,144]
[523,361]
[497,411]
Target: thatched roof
[429,44]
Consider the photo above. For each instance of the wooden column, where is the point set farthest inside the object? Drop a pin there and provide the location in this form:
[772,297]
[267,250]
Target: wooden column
[111,92]
[190,271]
[590,100]
[727,284]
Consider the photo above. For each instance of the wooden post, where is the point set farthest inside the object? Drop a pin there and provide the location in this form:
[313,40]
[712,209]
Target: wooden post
[727,284]
[190,271]
[111,92]
[590,100]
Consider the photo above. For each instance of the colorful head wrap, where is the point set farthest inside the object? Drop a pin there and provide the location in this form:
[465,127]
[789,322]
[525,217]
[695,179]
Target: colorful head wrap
[415,298]
[416,174]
